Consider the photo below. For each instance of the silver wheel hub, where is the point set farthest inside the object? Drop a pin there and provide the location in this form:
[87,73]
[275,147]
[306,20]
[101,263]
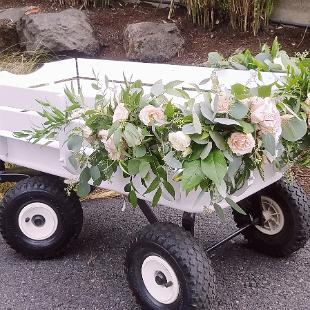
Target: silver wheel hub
[160,279]
[273,217]
[38,221]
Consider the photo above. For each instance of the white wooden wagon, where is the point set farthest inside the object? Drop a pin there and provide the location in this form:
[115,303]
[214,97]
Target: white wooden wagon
[166,268]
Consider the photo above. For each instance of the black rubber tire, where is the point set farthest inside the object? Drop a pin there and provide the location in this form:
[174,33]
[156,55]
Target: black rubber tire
[188,260]
[51,191]
[295,206]
[2,165]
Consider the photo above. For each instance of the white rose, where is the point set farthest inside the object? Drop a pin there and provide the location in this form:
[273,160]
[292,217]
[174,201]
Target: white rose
[241,143]
[87,132]
[179,140]
[151,114]
[120,113]
[265,113]
[103,135]
[224,101]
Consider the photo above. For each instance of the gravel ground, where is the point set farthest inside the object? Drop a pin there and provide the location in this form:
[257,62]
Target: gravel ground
[90,276]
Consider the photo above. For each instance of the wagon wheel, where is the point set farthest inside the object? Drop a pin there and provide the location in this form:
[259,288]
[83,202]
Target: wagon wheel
[285,223]
[166,269]
[38,219]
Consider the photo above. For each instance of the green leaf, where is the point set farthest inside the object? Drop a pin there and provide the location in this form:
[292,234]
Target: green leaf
[169,188]
[132,197]
[144,169]
[269,143]
[206,151]
[275,48]
[178,93]
[214,166]
[95,173]
[139,151]
[158,88]
[156,197]
[189,129]
[117,137]
[83,189]
[162,173]
[85,175]
[133,166]
[153,185]
[169,110]
[294,129]
[219,211]
[75,143]
[238,110]
[235,206]
[192,175]
[264,91]
[218,140]
[95,86]
[127,188]
[240,91]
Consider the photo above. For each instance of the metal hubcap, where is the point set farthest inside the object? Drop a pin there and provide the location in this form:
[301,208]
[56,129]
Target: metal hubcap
[38,221]
[160,279]
[273,217]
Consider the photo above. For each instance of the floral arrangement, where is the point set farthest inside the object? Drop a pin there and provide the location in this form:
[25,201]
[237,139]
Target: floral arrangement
[210,140]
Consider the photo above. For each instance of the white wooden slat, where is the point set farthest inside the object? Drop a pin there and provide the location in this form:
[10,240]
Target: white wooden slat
[25,98]
[47,74]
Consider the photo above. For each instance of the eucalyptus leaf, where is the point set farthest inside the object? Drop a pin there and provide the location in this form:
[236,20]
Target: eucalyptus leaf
[226,121]
[269,143]
[133,166]
[189,129]
[75,143]
[204,154]
[74,163]
[294,129]
[238,110]
[218,140]
[171,161]
[196,123]
[222,189]
[95,173]
[83,189]
[158,88]
[139,151]
[85,175]
[206,110]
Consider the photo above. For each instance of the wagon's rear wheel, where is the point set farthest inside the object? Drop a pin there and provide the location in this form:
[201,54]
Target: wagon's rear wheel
[38,219]
[166,269]
[285,224]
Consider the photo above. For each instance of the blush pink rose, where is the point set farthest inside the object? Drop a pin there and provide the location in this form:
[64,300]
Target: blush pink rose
[241,143]
[150,114]
[120,113]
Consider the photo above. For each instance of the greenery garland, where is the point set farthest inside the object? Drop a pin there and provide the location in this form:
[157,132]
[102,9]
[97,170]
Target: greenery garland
[211,140]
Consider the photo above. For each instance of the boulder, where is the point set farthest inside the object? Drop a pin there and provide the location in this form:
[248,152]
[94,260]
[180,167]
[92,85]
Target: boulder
[8,20]
[148,41]
[67,32]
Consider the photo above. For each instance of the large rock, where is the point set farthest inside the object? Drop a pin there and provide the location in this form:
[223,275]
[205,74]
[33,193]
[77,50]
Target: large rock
[148,41]
[66,32]
[8,20]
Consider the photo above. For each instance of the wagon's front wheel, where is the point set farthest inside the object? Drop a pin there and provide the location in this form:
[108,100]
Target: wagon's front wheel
[166,269]
[285,223]
[38,219]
